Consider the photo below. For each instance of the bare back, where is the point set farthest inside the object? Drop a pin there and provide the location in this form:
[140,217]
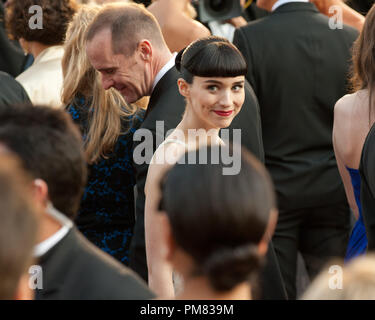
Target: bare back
[351,126]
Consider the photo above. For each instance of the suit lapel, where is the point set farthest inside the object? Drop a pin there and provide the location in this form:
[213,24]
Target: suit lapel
[164,83]
[54,267]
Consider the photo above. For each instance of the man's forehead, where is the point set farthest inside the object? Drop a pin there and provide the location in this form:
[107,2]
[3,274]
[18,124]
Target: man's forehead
[102,34]
[102,41]
[99,48]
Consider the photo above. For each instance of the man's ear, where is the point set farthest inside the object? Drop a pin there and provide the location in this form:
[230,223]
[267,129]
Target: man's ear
[145,50]
[40,192]
[183,87]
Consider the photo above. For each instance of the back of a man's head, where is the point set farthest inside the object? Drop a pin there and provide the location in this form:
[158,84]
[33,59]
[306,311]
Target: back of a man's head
[18,229]
[354,280]
[129,23]
[50,147]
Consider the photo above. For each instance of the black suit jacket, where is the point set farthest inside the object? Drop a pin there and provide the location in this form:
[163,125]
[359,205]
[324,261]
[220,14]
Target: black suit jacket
[12,58]
[298,68]
[11,91]
[168,105]
[75,269]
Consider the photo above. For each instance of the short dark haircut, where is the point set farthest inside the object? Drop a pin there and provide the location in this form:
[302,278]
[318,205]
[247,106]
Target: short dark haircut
[56,17]
[211,57]
[50,147]
[18,225]
[224,217]
[129,23]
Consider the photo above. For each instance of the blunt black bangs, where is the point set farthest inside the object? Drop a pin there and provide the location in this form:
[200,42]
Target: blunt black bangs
[217,59]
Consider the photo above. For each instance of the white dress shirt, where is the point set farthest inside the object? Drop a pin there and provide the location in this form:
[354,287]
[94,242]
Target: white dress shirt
[66,224]
[281,2]
[168,66]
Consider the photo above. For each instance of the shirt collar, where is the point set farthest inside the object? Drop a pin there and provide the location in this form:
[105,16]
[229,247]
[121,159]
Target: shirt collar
[43,247]
[50,53]
[281,2]
[168,66]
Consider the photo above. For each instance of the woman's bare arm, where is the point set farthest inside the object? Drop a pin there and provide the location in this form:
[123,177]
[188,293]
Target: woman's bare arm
[339,138]
[159,270]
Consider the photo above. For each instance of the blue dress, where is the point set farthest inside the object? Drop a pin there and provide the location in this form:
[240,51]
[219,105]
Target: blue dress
[106,214]
[358,241]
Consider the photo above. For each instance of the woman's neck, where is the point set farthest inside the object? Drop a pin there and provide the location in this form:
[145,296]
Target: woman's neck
[191,121]
[199,288]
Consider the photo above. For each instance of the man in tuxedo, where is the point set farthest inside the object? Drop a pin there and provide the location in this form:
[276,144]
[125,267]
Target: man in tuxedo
[125,44]
[298,66]
[50,148]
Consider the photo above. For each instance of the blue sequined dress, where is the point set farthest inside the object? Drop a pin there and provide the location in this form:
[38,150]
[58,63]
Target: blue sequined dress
[106,214]
[358,241]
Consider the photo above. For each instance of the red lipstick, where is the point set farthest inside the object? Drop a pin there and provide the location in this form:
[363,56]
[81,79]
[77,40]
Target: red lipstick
[224,113]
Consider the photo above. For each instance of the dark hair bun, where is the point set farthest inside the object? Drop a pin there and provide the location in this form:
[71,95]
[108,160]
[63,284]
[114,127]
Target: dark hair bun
[229,267]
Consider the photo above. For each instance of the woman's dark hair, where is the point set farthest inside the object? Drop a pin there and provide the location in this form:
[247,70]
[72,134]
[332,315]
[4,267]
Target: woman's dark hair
[364,59]
[56,16]
[210,57]
[219,219]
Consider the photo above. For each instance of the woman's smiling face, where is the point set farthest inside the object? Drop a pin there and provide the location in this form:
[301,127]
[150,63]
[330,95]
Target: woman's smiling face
[215,101]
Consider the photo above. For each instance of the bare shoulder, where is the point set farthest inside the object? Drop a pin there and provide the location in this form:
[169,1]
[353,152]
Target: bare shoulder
[342,123]
[192,29]
[168,153]
[350,125]
[351,108]
[344,106]
[163,159]
[199,29]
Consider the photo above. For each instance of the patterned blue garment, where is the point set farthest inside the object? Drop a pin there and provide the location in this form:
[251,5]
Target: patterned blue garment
[358,240]
[106,214]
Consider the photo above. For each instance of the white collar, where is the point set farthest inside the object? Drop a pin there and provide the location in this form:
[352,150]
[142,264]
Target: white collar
[168,66]
[281,2]
[43,247]
[50,53]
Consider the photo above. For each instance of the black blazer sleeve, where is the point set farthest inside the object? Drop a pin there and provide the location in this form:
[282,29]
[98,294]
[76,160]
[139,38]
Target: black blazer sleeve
[241,42]
[249,122]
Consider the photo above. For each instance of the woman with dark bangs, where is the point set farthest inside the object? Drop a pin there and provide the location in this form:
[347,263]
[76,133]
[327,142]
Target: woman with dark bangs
[354,115]
[212,82]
